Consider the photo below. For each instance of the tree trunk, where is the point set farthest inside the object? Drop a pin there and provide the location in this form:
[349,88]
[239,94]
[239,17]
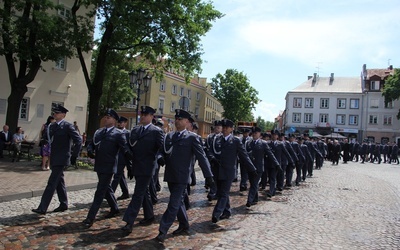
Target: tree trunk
[93,117]
[18,91]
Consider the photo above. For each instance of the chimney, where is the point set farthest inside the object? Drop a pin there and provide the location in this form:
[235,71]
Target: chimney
[331,79]
[390,67]
[314,80]
[309,77]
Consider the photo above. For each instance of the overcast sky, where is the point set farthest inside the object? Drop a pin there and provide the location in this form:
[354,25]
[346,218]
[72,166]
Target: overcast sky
[277,44]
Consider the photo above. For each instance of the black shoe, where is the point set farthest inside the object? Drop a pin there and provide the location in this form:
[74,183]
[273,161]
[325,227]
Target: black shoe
[235,180]
[127,228]
[38,211]
[147,221]
[210,197]
[280,189]
[181,230]
[154,202]
[160,237]
[268,194]
[214,219]
[88,222]
[242,188]
[60,209]
[112,213]
[224,216]
[248,204]
[123,197]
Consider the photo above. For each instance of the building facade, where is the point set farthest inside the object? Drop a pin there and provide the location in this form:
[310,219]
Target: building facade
[351,106]
[171,93]
[60,82]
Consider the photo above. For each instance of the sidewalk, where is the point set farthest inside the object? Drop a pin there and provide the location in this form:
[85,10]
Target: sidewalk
[26,179]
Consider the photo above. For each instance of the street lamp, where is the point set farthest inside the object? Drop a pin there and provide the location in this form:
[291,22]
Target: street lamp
[137,79]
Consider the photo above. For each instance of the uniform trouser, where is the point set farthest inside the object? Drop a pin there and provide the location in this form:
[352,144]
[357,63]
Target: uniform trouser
[355,157]
[243,176]
[156,180]
[223,205]
[153,191]
[304,169]
[103,190]
[280,177]
[363,158]
[140,197]
[214,170]
[175,209]
[193,177]
[272,180]
[289,174]
[310,166]
[55,183]
[253,191]
[119,178]
[264,178]
[319,160]
[299,168]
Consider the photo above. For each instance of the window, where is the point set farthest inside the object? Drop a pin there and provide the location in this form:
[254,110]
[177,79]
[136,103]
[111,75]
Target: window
[297,117]
[64,12]
[182,91]
[323,118]
[308,118]
[374,103]
[387,120]
[189,93]
[340,119]
[297,102]
[354,103]
[173,106]
[174,89]
[353,119]
[162,86]
[196,111]
[389,105]
[375,85]
[161,105]
[61,63]
[309,103]
[341,103]
[324,103]
[373,119]
[24,109]
[198,96]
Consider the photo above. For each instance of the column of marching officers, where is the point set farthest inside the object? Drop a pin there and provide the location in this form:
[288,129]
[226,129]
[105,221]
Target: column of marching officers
[265,159]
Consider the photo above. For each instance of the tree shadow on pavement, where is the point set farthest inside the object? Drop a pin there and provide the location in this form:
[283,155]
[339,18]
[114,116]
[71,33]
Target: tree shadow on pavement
[21,220]
[109,236]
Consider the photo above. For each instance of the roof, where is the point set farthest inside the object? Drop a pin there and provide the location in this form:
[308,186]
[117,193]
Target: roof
[382,73]
[325,85]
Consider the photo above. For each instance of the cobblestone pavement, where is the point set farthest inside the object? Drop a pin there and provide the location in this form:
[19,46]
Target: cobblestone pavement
[350,206]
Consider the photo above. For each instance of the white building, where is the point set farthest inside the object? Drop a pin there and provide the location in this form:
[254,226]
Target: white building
[351,106]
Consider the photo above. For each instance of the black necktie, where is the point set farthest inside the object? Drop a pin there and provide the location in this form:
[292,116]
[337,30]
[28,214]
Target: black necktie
[253,143]
[176,136]
[142,130]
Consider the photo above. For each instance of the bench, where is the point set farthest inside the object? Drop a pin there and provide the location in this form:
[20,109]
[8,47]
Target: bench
[26,147]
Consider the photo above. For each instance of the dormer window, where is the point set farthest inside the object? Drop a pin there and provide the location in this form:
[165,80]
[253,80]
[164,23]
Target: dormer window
[375,85]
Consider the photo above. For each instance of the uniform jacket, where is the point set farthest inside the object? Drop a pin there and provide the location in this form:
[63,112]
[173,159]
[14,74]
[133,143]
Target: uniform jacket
[145,147]
[297,150]
[61,138]
[178,155]
[395,150]
[227,153]
[312,147]
[106,146]
[364,149]
[260,152]
[291,159]
[279,151]
[306,154]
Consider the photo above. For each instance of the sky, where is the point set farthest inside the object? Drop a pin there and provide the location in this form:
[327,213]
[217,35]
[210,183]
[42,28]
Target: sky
[278,44]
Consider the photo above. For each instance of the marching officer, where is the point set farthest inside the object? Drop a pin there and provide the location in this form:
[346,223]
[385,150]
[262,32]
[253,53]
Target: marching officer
[299,153]
[288,164]
[119,177]
[104,148]
[259,151]
[177,155]
[243,173]
[145,141]
[227,149]
[209,151]
[60,135]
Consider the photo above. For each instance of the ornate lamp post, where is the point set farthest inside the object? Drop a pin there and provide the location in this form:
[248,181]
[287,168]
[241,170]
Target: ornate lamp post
[137,79]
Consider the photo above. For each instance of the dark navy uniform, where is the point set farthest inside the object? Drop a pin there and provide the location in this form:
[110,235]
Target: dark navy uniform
[301,159]
[177,153]
[61,136]
[145,142]
[119,177]
[106,144]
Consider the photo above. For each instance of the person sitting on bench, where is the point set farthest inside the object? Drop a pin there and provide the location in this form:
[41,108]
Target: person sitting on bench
[18,137]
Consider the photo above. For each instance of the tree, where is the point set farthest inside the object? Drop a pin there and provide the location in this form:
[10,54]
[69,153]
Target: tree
[391,89]
[264,125]
[164,34]
[236,95]
[32,32]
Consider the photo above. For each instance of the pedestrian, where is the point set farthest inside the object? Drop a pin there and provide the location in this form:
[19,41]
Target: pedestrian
[210,150]
[60,136]
[18,138]
[76,127]
[301,158]
[395,152]
[119,177]
[364,151]
[227,149]
[259,152]
[44,144]
[336,152]
[104,148]
[243,173]
[314,151]
[289,164]
[177,154]
[145,141]
[307,158]
[5,140]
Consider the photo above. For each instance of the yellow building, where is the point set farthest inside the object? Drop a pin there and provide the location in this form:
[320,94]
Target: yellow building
[60,82]
[173,93]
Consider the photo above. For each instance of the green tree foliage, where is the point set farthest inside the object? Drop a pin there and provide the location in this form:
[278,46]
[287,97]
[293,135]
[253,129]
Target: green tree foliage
[264,125]
[33,32]
[164,34]
[236,95]
[391,89]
